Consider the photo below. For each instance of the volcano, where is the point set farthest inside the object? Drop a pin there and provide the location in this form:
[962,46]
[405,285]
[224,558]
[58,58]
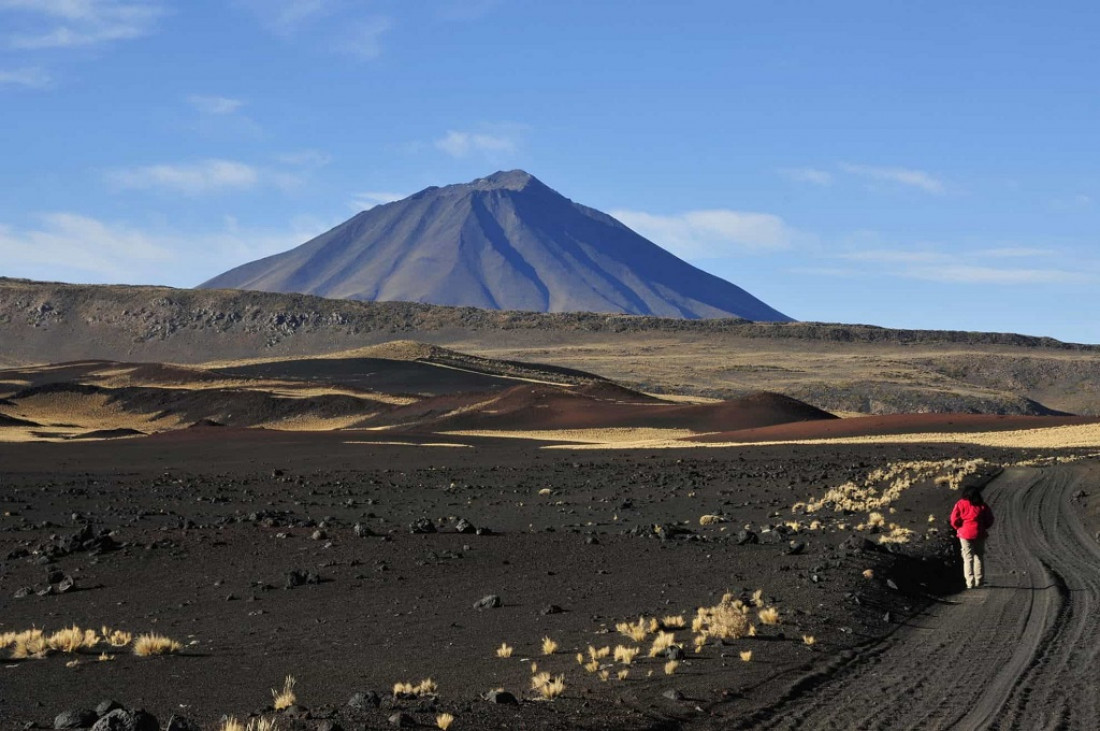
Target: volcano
[504,242]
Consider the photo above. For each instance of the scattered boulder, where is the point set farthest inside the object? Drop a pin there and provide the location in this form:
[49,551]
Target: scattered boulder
[329,725]
[364,701]
[106,706]
[121,719]
[301,577]
[746,537]
[552,609]
[422,525]
[673,694]
[501,697]
[179,723]
[465,526]
[675,652]
[795,548]
[402,720]
[489,601]
[363,531]
[75,719]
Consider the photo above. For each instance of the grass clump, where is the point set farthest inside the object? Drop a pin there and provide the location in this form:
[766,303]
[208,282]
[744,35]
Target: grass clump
[426,687]
[286,697]
[154,644]
[443,721]
[662,642]
[726,620]
[711,519]
[505,650]
[549,646]
[768,615]
[670,667]
[72,639]
[746,656]
[626,655]
[636,631]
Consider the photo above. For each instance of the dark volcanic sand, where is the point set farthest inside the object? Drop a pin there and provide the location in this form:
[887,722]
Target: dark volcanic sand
[212,519]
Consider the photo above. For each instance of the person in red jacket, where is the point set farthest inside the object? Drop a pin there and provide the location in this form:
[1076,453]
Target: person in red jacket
[971,518]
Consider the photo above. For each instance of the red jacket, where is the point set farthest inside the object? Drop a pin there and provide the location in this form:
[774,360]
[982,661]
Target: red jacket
[971,521]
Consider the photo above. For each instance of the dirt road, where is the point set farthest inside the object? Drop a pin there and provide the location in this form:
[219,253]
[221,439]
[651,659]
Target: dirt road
[1020,653]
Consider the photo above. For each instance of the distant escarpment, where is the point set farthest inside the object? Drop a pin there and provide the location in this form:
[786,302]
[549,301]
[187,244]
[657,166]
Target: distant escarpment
[834,367]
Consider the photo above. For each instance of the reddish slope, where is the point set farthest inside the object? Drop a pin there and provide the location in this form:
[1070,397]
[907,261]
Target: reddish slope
[892,424]
[529,407]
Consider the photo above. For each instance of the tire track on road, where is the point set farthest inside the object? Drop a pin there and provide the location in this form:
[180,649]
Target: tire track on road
[1019,653]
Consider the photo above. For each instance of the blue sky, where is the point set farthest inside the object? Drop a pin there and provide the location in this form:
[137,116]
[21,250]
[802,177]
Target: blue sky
[930,165]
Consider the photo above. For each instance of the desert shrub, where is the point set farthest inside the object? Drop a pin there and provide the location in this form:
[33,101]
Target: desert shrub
[726,620]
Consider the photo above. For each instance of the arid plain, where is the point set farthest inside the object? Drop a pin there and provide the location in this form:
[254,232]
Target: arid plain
[669,519]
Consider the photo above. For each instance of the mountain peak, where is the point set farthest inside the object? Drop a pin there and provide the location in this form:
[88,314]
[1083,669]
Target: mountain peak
[505,241]
[504,180]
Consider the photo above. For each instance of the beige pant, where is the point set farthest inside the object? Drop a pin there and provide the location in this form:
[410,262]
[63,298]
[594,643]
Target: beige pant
[972,553]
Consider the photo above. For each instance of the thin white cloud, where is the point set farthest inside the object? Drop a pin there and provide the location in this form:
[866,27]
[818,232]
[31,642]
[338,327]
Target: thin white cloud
[74,247]
[215,105]
[813,176]
[80,23]
[287,17]
[205,176]
[962,274]
[367,200]
[29,78]
[902,176]
[711,233]
[1014,252]
[363,39]
[888,256]
[463,144]
[305,158]
[78,243]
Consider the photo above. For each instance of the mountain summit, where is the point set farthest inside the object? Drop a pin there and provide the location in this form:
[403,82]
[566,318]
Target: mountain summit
[505,242]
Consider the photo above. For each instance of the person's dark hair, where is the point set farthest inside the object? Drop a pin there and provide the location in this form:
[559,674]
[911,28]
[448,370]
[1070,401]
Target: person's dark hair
[973,495]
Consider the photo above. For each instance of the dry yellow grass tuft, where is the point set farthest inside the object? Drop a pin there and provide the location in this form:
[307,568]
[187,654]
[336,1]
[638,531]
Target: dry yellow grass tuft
[231,724]
[549,647]
[808,640]
[758,598]
[897,534]
[711,519]
[592,665]
[539,680]
[552,689]
[636,631]
[426,687]
[72,639]
[580,658]
[624,674]
[673,621]
[868,573]
[154,644]
[545,491]
[443,721]
[285,698]
[670,667]
[662,642]
[884,486]
[605,675]
[117,638]
[626,655]
[931,518]
[769,615]
[30,644]
[505,650]
[104,657]
[746,656]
